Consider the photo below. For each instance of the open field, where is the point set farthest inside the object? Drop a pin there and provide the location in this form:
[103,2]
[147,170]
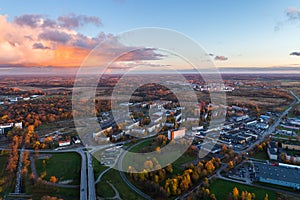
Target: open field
[38,190]
[222,188]
[103,189]
[98,168]
[113,176]
[64,166]
[149,145]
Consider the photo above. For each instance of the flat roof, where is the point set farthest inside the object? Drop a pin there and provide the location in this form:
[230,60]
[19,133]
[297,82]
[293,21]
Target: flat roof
[282,173]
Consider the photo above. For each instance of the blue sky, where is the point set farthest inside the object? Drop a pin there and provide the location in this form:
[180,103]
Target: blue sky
[249,33]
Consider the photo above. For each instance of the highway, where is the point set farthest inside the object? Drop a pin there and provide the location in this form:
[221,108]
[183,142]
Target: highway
[83,178]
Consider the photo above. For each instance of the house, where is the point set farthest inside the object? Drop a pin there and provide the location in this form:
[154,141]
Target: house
[197,128]
[262,125]
[101,139]
[265,118]
[176,134]
[290,127]
[64,143]
[295,122]
[177,116]
[153,127]
[117,136]
[34,96]
[5,128]
[76,140]
[291,146]
[241,118]
[272,150]
[138,130]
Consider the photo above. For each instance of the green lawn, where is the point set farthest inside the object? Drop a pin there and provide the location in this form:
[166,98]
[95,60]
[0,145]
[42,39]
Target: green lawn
[64,166]
[222,188]
[38,190]
[177,165]
[113,176]
[98,168]
[140,146]
[103,189]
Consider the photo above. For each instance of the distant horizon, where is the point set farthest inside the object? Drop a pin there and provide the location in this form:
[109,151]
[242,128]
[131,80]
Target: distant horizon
[40,35]
[17,70]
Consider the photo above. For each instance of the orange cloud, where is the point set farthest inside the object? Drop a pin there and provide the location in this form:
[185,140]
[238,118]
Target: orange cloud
[33,40]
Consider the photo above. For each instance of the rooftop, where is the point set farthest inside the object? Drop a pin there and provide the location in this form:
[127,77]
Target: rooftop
[282,173]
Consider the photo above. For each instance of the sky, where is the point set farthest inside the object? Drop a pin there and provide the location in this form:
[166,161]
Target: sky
[235,34]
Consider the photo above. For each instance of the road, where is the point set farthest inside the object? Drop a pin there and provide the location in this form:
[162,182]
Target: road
[83,178]
[123,176]
[19,173]
[270,130]
[91,179]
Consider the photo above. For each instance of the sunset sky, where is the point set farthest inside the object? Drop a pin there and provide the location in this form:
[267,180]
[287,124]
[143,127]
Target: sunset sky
[242,34]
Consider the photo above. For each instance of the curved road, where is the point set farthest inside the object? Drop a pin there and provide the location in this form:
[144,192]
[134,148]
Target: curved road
[123,176]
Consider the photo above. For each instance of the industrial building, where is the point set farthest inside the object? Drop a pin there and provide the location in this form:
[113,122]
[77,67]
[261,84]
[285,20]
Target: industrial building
[287,175]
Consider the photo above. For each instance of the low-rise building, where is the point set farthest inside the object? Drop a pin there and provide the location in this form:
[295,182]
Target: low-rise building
[7,127]
[291,146]
[64,143]
[176,134]
[272,150]
[279,175]
[117,136]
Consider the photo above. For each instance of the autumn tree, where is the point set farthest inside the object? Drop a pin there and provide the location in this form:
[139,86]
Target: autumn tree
[231,164]
[235,193]
[266,197]
[53,179]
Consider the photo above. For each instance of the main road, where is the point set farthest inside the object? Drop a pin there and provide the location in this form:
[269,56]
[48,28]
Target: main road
[91,179]
[83,178]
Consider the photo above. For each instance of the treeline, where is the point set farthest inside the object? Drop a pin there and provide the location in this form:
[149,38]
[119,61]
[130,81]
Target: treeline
[38,111]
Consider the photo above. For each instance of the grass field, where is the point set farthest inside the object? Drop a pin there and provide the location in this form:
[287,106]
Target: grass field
[113,176]
[38,190]
[103,189]
[149,144]
[178,164]
[64,166]
[222,188]
[98,168]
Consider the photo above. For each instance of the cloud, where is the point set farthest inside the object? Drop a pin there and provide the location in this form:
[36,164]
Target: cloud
[39,46]
[29,20]
[292,15]
[36,40]
[74,21]
[55,36]
[295,53]
[141,54]
[221,58]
